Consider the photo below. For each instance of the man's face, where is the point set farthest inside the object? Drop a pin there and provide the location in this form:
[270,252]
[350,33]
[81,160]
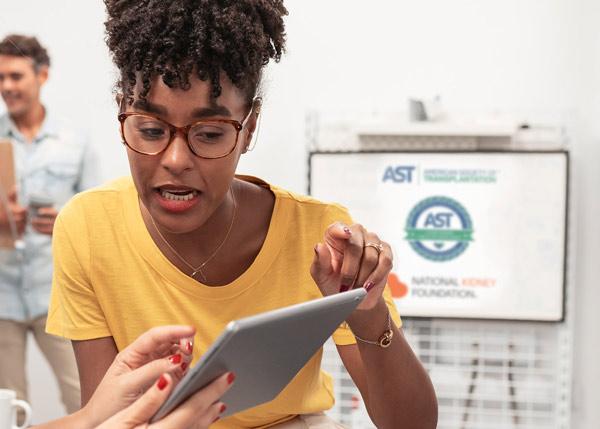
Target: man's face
[20,84]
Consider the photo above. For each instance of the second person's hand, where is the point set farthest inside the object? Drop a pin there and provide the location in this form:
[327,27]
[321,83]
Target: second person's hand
[198,412]
[161,350]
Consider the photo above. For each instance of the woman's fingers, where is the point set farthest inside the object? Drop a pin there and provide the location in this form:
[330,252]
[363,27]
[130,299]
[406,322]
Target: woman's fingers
[370,258]
[336,237]
[187,345]
[142,410]
[161,338]
[378,277]
[321,269]
[358,258]
[352,258]
[346,246]
[141,378]
[338,231]
[202,409]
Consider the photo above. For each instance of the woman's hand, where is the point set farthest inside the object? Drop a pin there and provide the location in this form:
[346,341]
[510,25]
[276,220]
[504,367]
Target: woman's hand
[161,350]
[351,257]
[198,412]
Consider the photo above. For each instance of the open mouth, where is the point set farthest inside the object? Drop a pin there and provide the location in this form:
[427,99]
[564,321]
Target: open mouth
[177,195]
[177,198]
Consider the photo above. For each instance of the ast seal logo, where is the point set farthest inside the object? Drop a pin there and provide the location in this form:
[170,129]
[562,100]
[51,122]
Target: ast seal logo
[439,229]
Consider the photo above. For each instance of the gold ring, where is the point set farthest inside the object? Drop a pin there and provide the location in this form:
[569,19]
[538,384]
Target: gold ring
[376,246]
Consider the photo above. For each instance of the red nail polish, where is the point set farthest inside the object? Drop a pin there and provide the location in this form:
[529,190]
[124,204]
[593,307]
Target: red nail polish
[344,288]
[223,408]
[184,366]
[175,359]
[188,346]
[230,378]
[162,382]
[369,286]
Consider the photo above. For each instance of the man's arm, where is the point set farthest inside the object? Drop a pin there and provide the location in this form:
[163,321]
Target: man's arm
[93,359]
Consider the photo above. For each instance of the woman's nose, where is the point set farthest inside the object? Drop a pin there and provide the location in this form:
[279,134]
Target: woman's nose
[178,157]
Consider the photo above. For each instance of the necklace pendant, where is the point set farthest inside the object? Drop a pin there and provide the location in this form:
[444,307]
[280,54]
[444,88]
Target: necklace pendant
[198,271]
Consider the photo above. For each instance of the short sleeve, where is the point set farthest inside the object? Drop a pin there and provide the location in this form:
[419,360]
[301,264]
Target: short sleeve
[74,310]
[343,335]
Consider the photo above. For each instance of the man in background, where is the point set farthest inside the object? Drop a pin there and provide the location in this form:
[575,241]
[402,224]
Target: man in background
[52,163]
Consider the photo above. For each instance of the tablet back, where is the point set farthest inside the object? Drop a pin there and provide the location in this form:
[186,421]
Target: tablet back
[265,351]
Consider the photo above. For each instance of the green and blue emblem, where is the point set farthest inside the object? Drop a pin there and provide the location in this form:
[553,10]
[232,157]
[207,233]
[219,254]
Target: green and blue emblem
[439,229]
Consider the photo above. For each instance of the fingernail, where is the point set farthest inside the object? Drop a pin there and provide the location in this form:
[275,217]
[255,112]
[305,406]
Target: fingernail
[162,382]
[223,408]
[344,288]
[216,418]
[175,359]
[369,285]
[230,378]
[347,230]
[188,346]
[184,366]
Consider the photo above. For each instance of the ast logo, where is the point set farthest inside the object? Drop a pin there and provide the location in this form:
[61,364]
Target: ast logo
[439,229]
[399,174]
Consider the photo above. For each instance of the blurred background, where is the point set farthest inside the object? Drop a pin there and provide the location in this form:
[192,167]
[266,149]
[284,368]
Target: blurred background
[492,63]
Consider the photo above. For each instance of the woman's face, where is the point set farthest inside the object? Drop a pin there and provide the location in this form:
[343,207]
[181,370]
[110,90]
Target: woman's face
[181,190]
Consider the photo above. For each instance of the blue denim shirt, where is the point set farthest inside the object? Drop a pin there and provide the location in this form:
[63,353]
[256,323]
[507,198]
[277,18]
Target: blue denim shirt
[58,163]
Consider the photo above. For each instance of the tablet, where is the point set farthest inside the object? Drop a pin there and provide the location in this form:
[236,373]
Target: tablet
[265,351]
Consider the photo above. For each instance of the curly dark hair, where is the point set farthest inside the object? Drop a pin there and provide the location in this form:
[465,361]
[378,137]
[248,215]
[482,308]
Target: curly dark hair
[172,39]
[18,45]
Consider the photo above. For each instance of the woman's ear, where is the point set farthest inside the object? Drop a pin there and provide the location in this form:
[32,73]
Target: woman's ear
[253,125]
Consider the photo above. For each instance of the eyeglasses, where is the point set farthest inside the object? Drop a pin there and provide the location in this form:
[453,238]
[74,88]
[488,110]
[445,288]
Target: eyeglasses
[150,135]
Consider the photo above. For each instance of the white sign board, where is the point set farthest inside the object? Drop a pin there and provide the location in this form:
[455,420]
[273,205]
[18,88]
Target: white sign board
[475,235]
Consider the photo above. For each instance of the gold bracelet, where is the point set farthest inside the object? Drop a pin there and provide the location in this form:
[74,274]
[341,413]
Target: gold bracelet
[386,338]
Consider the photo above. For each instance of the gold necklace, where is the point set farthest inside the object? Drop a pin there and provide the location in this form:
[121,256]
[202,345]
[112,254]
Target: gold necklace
[198,270]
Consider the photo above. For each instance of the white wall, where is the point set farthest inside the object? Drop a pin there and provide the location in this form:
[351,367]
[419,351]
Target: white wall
[586,175]
[532,59]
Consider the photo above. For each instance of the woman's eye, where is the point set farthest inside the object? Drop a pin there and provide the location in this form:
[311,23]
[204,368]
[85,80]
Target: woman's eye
[208,135]
[151,133]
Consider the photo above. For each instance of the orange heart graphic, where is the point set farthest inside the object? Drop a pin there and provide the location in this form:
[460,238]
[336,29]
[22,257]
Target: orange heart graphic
[398,288]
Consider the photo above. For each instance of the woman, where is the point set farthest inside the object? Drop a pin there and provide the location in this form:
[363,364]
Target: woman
[149,364]
[186,241]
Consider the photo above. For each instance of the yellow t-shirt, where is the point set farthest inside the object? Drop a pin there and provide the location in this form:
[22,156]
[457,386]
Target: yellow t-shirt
[110,279]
